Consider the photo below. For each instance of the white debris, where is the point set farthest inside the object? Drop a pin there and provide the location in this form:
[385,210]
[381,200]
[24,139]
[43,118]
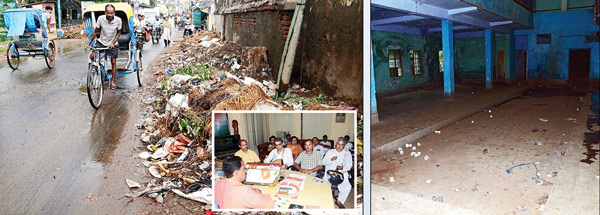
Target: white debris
[145,137]
[160,153]
[159,199]
[204,195]
[428,181]
[392,179]
[205,165]
[154,172]
[426,157]
[178,80]
[438,132]
[419,144]
[144,155]
[176,102]
[543,120]
[132,183]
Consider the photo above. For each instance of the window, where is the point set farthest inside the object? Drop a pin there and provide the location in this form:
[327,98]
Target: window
[441,55]
[395,62]
[544,38]
[415,62]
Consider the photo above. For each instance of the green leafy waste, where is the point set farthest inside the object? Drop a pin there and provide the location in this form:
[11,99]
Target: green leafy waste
[293,99]
[202,71]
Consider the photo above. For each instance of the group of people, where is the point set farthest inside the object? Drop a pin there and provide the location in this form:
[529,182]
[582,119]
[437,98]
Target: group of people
[315,156]
[162,25]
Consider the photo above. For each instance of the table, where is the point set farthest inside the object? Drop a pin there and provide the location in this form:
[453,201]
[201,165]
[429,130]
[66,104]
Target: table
[313,194]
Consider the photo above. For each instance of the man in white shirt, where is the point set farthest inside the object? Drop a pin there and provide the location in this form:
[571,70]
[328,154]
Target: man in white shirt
[349,145]
[340,160]
[280,155]
[318,147]
[109,26]
[325,142]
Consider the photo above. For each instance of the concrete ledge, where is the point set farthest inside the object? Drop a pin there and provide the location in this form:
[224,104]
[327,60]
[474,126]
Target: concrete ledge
[388,201]
[380,151]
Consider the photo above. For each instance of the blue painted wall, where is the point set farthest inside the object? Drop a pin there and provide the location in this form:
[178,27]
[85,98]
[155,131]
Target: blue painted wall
[507,9]
[570,30]
[429,46]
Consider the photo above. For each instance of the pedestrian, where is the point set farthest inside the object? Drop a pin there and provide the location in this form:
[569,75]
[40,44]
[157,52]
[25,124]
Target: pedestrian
[167,26]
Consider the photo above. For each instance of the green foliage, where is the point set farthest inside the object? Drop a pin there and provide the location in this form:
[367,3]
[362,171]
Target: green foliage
[202,71]
[191,124]
[294,99]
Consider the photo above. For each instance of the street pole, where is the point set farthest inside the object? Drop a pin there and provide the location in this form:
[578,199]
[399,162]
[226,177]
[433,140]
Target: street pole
[59,15]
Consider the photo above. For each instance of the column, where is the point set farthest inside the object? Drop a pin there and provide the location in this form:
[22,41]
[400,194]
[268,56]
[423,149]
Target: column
[489,65]
[374,113]
[448,51]
[509,75]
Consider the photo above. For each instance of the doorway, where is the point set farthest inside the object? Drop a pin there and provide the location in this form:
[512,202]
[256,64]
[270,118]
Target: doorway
[520,64]
[500,65]
[579,66]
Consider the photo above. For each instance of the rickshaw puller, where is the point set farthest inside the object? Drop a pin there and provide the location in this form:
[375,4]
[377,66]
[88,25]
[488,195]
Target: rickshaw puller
[109,27]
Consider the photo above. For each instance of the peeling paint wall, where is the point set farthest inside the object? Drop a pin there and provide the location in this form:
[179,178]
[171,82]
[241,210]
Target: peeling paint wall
[507,9]
[329,52]
[571,29]
[429,46]
[332,48]
[544,5]
[266,28]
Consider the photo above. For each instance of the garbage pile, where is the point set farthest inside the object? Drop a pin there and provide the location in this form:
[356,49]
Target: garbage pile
[74,32]
[194,77]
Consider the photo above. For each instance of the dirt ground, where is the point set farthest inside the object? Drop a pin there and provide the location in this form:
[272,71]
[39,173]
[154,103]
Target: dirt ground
[468,160]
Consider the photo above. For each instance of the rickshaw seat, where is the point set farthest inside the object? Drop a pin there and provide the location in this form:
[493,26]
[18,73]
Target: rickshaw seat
[124,40]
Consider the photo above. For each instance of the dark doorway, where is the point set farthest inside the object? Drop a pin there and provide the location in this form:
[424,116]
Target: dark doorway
[579,66]
[500,68]
[520,64]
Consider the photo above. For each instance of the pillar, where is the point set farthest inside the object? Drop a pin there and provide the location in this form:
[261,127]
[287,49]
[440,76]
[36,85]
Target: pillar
[509,74]
[448,52]
[374,113]
[489,66]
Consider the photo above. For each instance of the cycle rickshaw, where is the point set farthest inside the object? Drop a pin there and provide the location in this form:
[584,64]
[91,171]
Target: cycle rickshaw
[97,69]
[30,37]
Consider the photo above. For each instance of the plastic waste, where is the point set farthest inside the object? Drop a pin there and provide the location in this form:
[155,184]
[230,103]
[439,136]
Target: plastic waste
[203,195]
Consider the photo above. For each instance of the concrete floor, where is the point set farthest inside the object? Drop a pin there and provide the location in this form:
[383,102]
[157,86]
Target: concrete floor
[471,181]
[426,110]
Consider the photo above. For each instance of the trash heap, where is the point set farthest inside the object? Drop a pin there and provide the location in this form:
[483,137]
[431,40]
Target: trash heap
[74,32]
[194,77]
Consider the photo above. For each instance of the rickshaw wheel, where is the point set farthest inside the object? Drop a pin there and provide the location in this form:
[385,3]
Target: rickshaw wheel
[95,86]
[139,68]
[50,55]
[12,58]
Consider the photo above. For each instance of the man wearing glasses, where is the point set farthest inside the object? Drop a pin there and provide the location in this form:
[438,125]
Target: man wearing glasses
[280,155]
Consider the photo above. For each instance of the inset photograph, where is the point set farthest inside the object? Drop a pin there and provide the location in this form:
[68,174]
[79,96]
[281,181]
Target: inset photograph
[284,160]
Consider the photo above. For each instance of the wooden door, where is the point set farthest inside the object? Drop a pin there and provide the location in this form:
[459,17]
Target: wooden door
[500,65]
[579,66]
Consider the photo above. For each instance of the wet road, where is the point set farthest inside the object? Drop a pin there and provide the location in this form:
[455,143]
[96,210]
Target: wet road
[53,144]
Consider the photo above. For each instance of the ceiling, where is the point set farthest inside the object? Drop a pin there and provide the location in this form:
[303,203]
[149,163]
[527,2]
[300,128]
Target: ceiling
[424,17]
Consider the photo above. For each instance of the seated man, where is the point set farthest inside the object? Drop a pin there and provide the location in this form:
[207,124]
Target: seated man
[230,193]
[349,145]
[309,160]
[280,155]
[340,160]
[325,142]
[248,156]
[318,147]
